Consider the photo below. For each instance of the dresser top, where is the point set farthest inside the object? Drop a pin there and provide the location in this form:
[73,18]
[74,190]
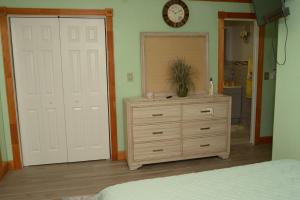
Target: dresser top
[175,99]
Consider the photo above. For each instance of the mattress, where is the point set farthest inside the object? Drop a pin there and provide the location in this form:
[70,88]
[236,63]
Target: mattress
[275,180]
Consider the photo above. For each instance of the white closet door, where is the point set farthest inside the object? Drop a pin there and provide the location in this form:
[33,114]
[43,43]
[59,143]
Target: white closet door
[37,64]
[83,49]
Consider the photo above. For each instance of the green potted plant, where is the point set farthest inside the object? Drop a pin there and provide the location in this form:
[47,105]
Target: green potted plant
[181,77]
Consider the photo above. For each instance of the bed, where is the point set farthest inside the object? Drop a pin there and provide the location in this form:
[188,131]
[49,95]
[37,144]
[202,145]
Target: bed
[275,180]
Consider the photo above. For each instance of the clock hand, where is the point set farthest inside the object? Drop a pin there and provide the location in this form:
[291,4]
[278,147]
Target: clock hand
[180,11]
[173,11]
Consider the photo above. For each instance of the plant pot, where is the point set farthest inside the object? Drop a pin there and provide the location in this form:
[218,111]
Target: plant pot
[182,91]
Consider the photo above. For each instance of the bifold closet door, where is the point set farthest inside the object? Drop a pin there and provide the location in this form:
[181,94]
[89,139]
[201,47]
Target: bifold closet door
[38,76]
[83,48]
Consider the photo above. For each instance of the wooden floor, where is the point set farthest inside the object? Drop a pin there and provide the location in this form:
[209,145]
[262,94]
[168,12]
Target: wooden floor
[63,180]
[240,134]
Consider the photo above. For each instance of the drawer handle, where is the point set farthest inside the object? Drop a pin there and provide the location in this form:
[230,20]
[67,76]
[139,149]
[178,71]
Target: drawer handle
[158,150]
[157,115]
[206,111]
[206,128]
[204,145]
[158,133]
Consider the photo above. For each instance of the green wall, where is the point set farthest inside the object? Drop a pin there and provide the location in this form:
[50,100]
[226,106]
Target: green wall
[3,151]
[4,122]
[130,18]
[268,90]
[286,127]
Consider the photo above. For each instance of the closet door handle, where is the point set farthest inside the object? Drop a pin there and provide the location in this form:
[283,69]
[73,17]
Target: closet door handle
[157,115]
[206,128]
[158,133]
[204,145]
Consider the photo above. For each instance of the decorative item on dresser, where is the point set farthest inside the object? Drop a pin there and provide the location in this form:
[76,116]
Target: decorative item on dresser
[181,76]
[161,130]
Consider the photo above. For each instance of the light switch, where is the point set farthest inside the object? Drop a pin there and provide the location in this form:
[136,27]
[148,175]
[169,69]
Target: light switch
[130,76]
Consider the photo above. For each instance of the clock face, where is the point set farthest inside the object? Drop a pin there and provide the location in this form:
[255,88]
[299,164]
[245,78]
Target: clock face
[175,13]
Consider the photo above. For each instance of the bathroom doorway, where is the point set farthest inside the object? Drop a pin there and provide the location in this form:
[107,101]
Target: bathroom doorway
[238,75]
[241,47]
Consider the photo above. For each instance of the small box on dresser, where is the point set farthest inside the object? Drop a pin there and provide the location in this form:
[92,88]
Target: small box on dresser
[162,130]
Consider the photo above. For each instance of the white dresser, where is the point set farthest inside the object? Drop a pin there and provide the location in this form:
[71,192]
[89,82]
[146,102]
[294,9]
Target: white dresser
[162,130]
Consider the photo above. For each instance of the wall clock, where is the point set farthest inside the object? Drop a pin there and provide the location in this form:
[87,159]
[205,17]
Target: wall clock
[175,13]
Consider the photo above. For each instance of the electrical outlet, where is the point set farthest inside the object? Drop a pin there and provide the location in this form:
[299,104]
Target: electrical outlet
[267,76]
[130,76]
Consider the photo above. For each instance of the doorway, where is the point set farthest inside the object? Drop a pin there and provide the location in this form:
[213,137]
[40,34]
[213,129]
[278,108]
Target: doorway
[241,48]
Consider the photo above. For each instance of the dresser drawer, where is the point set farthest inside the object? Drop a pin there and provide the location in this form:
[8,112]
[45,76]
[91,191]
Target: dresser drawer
[204,128]
[148,133]
[205,111]
[204,145]
[157,150]
[146,115]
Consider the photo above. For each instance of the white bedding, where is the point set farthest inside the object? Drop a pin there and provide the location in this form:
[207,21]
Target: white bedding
[276,180]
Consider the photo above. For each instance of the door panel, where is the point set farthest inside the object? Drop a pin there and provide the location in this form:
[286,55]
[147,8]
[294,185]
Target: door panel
[77,139]
[37,65]
[32,127]
[75,71]
[93,127]
[83,49]
[52,130]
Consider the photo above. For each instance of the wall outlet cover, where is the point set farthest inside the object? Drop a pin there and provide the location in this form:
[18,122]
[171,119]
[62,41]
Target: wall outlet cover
[267,76]
[130,76]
